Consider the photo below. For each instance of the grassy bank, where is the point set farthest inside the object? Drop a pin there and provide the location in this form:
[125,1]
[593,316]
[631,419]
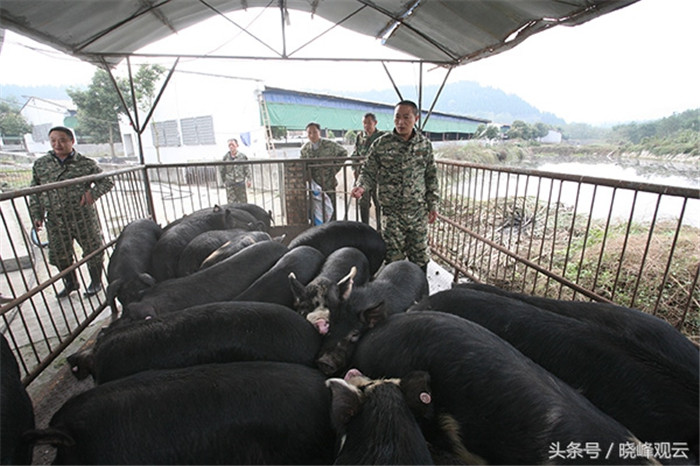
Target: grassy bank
[516,151]
[620,262]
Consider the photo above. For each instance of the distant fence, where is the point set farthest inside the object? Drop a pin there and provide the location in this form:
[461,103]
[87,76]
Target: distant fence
[554,235]
[573,237]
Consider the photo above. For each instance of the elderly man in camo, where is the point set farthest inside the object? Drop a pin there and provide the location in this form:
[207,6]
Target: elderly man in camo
[400,165]
[69,212]
[236,177]
[317,148]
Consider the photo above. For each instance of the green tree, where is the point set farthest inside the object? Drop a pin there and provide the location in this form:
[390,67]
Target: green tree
[99,105]
[279,132]
[350,137]
[520,130]
[540,130]
[12,123]
[488,132]
[98,109]
[145,81]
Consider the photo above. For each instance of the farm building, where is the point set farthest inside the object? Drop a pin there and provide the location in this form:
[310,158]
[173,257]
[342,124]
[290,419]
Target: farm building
[293,110]
[198,113]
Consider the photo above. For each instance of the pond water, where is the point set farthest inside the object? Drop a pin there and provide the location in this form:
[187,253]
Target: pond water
[683,174]
[647,206]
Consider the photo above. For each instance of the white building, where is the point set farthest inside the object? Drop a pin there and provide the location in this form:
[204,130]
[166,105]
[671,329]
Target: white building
[552,137]
[195,117]
[44,114]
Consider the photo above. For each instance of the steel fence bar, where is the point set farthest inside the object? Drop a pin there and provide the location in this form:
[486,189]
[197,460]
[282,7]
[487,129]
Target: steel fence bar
[521,224]
[585,237]
[690,297]
[570,237]
[605,237]
[624,246]
[555,229]
[544,233]
[527,262]
[534,223]
[667,269]
[642,262]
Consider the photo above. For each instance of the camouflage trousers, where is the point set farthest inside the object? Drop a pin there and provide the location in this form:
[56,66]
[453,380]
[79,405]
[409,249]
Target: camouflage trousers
[367,198]
[236,193]
[406,235]
[84,228]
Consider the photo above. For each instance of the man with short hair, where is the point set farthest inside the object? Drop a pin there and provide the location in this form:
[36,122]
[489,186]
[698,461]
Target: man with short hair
[401,166]
[236,177]
[69,212]
[363,141]
[319,148]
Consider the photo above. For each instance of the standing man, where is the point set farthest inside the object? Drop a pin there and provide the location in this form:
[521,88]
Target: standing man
[316,148]
[70,212]
[401,166]
[362,143]
[236,177]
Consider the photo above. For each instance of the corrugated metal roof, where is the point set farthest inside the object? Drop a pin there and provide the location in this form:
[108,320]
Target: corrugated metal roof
[294,110]
[449,32]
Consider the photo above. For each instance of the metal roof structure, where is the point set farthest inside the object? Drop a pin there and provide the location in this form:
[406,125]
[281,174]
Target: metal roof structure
[294,110]
[445,32]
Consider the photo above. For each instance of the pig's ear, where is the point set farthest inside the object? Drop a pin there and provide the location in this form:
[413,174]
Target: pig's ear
[416,390]
[147,279]
[297,289]
[345,284]
[346,402]
[114,287]
[374,315]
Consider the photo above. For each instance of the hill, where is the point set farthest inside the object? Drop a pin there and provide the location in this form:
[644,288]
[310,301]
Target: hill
[468,98]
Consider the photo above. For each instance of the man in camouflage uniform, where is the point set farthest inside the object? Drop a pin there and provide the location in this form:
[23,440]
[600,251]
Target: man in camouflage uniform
[69,211]
[362,143]
[317,148]
[236,177]
[400,165]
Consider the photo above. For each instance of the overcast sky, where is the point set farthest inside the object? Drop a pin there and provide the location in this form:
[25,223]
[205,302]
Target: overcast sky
[635,64]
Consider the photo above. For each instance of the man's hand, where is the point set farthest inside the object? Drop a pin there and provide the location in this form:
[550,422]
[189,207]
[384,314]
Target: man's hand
[357,192]
[87,199]
[432,216]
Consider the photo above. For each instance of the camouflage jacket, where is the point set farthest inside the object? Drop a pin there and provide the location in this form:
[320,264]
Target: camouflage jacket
[64,201]
[362,144]
[404,172]
[324,176]
[232,174]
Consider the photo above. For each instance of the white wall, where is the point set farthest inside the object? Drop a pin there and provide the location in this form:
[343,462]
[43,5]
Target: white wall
[40,112]
[552,137]
[231,102]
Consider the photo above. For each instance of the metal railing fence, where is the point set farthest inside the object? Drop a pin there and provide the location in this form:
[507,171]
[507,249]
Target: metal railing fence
[560,236]
[572,237]
[37,325]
